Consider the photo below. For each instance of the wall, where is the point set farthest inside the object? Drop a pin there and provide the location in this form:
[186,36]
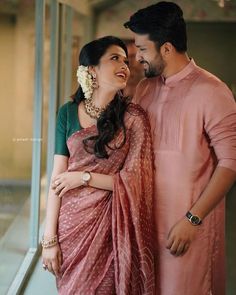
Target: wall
[7,94]
[213,47]
[17,59]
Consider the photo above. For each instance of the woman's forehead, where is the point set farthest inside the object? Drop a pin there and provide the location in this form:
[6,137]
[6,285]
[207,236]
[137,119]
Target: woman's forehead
[115,49]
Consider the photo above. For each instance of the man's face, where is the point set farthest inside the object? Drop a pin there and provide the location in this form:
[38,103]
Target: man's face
[148,55]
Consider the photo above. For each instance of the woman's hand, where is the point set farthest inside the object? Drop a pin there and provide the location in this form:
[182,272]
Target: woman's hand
[66,181]
[181,236]
[52,259]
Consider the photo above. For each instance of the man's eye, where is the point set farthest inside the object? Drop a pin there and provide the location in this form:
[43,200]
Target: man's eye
[142,49]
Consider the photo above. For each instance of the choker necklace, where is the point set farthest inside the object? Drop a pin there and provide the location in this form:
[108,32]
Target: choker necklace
[90,109]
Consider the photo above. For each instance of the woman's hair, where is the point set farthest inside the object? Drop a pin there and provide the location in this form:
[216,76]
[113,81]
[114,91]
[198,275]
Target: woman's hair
[163,22]
[112,118]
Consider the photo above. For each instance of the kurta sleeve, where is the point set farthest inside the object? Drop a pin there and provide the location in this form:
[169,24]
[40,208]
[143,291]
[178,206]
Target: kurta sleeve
[220,125]
[61,132]
[133,220]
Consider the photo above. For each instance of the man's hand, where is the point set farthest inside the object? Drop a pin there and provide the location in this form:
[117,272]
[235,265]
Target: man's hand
[181,236]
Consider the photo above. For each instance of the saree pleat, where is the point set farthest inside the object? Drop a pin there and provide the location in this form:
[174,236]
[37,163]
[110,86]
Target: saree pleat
[106,238]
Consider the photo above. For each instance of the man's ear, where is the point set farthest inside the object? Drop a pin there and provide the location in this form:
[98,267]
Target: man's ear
[167,49]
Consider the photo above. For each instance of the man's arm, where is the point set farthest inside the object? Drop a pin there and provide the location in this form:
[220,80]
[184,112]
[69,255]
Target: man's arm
[220,126]
[220,183]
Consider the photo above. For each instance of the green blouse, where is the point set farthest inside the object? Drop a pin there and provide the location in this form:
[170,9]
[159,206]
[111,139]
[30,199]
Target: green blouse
[67,124]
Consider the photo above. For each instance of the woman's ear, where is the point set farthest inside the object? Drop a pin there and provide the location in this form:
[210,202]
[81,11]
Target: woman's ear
[92,70]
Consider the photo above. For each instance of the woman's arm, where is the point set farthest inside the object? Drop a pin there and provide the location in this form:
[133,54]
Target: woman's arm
[65,181]
[53,204]
[51,256]
[101,181]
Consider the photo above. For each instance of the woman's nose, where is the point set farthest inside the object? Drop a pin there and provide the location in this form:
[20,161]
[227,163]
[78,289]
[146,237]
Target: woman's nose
[124,66]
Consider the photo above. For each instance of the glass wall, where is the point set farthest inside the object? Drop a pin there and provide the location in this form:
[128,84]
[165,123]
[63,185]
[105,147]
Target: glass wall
[17,38]
[38,56]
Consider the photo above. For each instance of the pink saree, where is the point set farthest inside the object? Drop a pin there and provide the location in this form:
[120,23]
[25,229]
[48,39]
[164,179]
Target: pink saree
[106,237]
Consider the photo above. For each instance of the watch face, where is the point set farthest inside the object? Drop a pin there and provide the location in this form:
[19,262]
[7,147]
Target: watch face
[86,176]
[195,219]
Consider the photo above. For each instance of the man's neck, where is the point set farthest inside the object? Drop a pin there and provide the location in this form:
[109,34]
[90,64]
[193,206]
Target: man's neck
[176,64]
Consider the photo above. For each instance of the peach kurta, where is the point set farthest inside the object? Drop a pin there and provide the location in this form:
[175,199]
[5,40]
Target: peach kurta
[193,121]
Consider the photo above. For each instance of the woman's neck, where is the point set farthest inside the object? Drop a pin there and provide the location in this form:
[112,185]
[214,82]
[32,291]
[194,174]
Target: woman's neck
[102,97]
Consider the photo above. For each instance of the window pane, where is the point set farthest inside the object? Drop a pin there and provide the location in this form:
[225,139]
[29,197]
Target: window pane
[17,39]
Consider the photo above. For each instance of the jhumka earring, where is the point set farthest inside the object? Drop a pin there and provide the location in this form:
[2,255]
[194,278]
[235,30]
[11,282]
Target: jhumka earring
[94,82]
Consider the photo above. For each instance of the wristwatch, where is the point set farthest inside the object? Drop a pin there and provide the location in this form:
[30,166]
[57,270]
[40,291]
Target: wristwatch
[194,219]
[86,177]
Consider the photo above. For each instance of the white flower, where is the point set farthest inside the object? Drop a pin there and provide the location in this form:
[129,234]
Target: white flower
[85,80]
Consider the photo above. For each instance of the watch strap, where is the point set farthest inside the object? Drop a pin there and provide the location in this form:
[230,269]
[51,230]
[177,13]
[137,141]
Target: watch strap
[193,219]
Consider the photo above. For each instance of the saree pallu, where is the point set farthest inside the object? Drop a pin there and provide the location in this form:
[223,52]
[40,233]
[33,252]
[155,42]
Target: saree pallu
[106,238]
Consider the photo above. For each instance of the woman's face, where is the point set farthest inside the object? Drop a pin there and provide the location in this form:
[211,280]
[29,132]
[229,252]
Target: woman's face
[112,72]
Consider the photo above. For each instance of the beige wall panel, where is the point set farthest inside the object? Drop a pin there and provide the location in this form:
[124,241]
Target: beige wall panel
[7,96]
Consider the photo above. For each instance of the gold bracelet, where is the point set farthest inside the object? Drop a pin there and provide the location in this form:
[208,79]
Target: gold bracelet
[50,242]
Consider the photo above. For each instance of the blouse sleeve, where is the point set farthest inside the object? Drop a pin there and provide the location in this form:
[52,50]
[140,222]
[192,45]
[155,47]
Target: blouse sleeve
[133,214]
[61,132]
[220,125]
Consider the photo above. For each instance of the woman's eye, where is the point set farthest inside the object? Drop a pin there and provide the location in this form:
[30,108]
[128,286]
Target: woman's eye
[115,57]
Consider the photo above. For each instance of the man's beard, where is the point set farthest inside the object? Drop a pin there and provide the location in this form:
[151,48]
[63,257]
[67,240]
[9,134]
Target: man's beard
[152,71]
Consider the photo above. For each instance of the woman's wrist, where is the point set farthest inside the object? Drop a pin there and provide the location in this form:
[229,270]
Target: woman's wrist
[49,236]
[49,242]
[85,177]
[48,233]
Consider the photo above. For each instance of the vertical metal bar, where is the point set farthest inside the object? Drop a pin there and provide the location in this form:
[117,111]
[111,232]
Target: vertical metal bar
[61,54]
[68,51]
[53,92]
[37,124]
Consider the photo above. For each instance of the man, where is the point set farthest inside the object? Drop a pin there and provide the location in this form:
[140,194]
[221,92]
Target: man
[193,120]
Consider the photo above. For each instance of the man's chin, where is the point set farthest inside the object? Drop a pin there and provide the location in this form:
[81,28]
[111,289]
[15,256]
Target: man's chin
[150,74]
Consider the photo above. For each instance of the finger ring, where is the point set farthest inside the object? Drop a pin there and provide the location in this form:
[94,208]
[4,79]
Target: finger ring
[44,266]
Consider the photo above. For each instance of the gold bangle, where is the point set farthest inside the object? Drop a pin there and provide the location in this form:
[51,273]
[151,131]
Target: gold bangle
[50,242]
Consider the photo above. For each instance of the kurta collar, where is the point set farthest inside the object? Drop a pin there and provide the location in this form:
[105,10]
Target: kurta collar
[172,80]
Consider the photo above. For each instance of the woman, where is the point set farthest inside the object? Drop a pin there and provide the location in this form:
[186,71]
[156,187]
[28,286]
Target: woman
[98,236]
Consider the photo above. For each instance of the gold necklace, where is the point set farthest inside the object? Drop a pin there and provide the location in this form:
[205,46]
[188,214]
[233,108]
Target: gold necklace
[90,109]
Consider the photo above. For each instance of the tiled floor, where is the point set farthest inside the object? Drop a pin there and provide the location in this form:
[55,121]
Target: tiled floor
[12,198]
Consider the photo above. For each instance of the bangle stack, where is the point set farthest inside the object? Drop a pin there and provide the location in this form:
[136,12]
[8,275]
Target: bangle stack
[49,242]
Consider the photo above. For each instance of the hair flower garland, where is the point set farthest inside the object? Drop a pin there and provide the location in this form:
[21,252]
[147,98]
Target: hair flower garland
[85,80]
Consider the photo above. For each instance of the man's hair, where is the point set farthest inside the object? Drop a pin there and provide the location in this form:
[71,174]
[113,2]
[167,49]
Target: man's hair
[163,22]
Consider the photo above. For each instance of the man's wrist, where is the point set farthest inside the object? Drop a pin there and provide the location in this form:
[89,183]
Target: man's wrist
[193,219]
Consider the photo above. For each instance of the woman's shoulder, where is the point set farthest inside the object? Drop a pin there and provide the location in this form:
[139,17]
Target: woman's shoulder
[63,110]
[135,113]
[135,109]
